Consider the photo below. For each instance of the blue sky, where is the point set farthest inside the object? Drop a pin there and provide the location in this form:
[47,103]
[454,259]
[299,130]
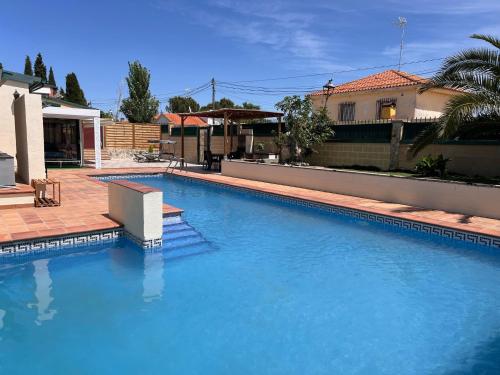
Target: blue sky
[186,43]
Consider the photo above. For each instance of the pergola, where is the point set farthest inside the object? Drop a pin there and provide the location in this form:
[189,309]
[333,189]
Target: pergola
[229,114]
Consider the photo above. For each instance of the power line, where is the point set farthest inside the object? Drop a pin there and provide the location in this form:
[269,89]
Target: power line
[235,87]
[340,71]
[292,90]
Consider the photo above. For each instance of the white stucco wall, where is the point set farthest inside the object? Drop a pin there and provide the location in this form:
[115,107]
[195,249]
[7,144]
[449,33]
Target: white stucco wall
[7,118]
[366,103]
[409,103]
[21,129]
[141,213]
[29,137]
[432,103]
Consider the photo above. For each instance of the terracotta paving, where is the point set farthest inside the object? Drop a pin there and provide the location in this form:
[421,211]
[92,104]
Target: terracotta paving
[85,206]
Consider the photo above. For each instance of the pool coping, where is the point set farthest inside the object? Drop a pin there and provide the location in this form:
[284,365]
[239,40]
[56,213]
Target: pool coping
[86,236]
[372,215]
[368,214]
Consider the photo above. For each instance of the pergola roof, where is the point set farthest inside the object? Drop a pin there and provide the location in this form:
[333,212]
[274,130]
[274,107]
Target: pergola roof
[234,114]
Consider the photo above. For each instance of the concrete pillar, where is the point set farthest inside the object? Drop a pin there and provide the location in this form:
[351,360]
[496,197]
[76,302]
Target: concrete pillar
[29,137]
[396,136]
[140,209]
[97,142]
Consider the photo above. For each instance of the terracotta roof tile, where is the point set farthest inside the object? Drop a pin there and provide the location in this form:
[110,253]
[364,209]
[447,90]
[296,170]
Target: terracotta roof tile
[383,80]
[175,119]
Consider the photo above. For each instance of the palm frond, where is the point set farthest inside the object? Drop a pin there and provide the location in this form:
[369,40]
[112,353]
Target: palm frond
[478,57]
[466,82]
[426,137]
[487,38]
[462,109]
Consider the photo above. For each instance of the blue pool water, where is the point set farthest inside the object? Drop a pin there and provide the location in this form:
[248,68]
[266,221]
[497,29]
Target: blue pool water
[269,288]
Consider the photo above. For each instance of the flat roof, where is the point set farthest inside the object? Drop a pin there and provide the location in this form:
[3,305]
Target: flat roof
[234,114]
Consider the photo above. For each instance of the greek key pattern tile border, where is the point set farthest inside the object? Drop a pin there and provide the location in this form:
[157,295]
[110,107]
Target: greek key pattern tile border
[459,235]
[111,177]
[40,246]
[437,230]
[148,244]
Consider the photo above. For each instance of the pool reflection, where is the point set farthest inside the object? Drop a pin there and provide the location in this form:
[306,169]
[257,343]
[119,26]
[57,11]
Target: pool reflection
[43,288]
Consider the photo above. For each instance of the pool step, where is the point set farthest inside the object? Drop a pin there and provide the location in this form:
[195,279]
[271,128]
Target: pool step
[175,227]
[178,234]
[186,251]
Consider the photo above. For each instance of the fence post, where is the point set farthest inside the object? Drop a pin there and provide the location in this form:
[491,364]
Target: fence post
[133,136]
[396,136]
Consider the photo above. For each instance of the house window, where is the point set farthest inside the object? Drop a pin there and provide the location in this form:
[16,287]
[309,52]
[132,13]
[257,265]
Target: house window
[346,111]
[386,109]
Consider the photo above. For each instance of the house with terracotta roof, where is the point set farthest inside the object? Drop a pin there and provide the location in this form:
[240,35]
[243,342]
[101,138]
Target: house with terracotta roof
[173,119]
[387,95]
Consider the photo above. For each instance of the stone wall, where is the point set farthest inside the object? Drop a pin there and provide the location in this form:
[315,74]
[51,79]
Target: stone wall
[341,154]
[468,159]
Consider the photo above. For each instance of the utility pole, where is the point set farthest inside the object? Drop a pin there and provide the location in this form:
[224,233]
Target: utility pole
[213,93]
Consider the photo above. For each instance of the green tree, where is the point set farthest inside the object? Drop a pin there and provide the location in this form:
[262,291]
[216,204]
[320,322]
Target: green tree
[475,72]
[180,104]
[52,80]
[248,105]
[1,65]
[107,114]
[39,68]
[304,128]
[219,104]
[225,103]
[140,106]
[27,66]
[74,93]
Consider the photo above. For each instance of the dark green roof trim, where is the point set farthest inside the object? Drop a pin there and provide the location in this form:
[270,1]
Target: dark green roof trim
[56,102]
[18,77]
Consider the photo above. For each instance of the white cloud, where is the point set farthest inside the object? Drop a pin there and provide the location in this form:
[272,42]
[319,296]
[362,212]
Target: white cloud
[271,24]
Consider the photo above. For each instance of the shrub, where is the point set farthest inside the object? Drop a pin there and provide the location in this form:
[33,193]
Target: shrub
[429,166]
[259,147]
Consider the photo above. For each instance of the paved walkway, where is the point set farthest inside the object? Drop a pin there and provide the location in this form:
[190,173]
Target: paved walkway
[85,206]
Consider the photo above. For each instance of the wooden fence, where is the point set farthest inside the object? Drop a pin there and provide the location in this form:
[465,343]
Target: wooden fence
[127,136]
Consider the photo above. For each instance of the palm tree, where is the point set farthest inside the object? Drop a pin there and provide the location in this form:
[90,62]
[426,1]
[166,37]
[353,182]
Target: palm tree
[476,111]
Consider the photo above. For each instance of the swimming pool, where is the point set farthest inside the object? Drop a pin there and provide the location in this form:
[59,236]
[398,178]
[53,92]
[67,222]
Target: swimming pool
[266,288]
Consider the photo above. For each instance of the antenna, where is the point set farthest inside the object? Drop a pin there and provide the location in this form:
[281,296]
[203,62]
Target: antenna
[119,100]
[401,23]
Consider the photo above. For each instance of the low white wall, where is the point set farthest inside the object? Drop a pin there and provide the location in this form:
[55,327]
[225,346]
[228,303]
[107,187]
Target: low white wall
[138,207]
[476,200]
